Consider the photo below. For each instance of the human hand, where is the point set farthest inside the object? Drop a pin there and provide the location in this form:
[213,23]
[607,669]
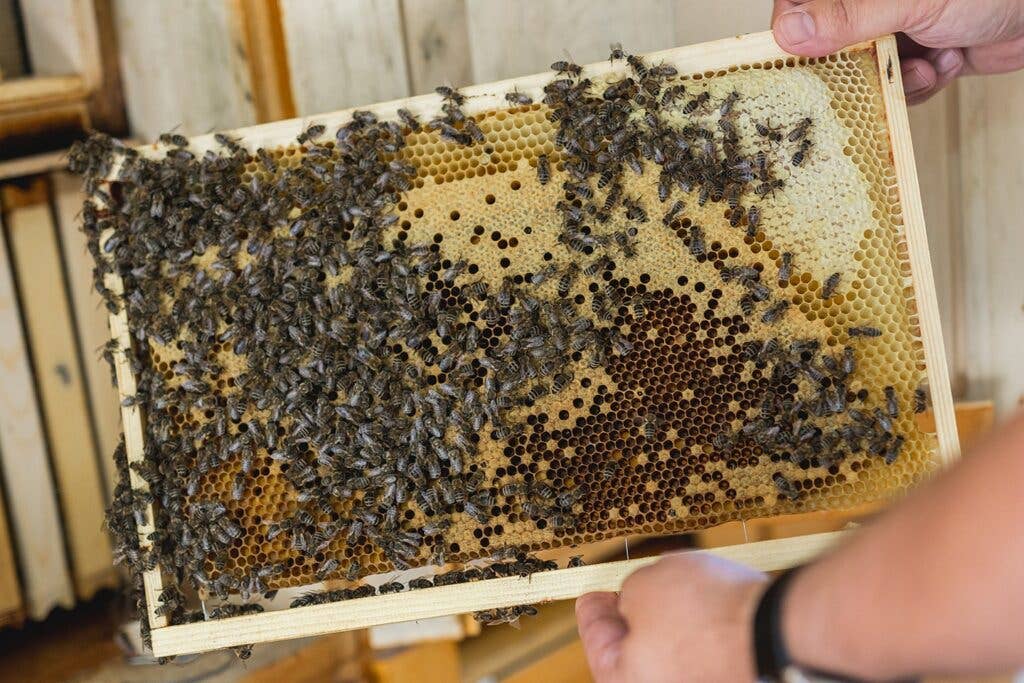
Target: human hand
[939,39]
[685,618]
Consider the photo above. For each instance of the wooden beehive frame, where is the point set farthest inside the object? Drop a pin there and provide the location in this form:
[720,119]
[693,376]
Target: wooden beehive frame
[566,583]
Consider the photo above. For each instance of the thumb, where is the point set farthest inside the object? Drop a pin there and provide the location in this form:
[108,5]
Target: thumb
[814,28]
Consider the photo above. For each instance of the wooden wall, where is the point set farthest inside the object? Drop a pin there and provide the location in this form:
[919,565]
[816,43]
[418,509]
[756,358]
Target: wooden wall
[991,132]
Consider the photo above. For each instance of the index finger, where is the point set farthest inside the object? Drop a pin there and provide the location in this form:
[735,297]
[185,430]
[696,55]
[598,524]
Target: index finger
[601,629]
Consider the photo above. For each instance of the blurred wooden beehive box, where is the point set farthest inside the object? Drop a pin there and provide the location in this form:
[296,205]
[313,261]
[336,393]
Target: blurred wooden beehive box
[857,212]
[54,327]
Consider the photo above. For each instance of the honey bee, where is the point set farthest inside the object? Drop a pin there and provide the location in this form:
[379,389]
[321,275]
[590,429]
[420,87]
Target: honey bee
[610,469]
[891,404]
[673,211]
[651,425]
[542,275]
[238,486]
[697,246]
[753,220]
[409,120]
[769,187]
[567,67]
[326,568]
[517,98]
[227,141]
[567,278]
[800,154]
[311,133]
[420,582]
[828,289]
[799,131]
[775,312]
[581,190]
[893,451]
[575,561]
[543,169]
[637,64]
[450,94]
[597,265]
[672,94]
[729,103]
[786,269]
[696,103]
[766,131]
[174,139]
[864,331]
[473,130]
[849,361]
[736,216]
[920,400]
[616,52]
[785,487]
[634,210]
[266,160]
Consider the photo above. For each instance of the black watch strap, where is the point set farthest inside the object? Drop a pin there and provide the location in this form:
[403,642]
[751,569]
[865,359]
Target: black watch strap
[770,652]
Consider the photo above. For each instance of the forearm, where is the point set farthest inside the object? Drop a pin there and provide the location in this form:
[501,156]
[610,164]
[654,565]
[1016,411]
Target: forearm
[935,585]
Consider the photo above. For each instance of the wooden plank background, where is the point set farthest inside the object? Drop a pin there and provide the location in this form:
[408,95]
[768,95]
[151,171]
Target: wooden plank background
[991,131]
[179,67]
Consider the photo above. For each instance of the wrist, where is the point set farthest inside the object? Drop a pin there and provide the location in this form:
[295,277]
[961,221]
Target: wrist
[823,635]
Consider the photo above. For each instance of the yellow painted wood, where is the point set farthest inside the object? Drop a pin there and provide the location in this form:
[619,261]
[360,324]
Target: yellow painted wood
[47,317]
[10,590]
[21,94]
[437,662]
[32,502]
[565,664]
[256,29]
[90,322]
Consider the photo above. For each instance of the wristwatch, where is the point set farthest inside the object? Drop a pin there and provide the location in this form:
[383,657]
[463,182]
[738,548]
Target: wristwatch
[771,656]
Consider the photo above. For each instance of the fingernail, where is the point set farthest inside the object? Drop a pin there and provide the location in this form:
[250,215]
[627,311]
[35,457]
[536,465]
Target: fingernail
[914,81]
[948,61]
[796,27]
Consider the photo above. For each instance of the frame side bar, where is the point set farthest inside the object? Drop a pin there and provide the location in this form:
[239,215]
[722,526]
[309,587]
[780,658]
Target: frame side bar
[131,418]
[916,235]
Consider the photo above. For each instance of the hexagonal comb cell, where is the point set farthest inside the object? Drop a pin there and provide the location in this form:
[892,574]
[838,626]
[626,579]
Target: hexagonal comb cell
[630,444]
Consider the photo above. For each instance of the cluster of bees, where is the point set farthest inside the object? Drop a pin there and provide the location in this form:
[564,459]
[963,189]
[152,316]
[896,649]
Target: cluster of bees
[373,393]
[601,137]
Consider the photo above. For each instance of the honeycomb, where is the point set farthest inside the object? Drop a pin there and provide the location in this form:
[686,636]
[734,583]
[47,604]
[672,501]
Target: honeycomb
[839,212]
